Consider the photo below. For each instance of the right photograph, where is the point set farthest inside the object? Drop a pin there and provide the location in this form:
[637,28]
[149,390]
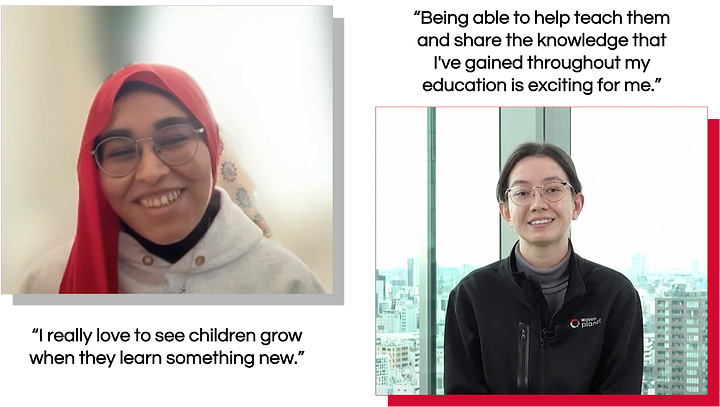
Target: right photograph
[541,250]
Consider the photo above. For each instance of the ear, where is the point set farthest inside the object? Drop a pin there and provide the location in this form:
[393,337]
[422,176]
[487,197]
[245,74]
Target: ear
[578,203]
[505,212]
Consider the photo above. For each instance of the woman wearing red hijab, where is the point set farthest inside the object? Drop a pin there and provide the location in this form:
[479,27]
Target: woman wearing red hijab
[150,218]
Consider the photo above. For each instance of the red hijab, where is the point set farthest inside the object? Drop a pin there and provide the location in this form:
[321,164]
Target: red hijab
[93,264]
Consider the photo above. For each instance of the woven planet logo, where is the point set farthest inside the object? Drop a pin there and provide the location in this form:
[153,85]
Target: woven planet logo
[585,322]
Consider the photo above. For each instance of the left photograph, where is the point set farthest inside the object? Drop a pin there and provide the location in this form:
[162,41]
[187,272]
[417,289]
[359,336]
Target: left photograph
[180,179]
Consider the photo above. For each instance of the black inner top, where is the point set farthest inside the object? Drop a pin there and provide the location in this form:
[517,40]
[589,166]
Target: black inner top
[175,251]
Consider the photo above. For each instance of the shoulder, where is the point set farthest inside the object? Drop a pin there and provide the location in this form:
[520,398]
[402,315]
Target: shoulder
[485,278]
[285,271]
[602,278]
[45,275]
[259,264]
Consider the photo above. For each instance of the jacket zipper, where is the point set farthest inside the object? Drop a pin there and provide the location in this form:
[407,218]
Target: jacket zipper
[538,294]
[542,362]
[523,357]
[545,332]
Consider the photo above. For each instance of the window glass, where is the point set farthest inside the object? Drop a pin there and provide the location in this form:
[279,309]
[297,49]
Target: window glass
[467,167]
[401,197]
[467,211]
[640,167]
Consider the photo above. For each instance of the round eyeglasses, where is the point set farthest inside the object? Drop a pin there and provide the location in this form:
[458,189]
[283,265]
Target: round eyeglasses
[554,191]
[175,145]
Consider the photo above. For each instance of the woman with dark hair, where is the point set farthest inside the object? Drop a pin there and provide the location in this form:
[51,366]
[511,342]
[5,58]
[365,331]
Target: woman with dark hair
[543,320]
[150,217]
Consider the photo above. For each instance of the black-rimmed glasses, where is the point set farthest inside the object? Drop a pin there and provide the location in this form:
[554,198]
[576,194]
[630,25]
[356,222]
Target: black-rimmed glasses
[554,191]
[175,145]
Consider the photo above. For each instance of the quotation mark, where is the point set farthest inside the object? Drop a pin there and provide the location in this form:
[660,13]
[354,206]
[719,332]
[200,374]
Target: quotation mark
[657,80]
[35,330]
[300,353]
[416,13]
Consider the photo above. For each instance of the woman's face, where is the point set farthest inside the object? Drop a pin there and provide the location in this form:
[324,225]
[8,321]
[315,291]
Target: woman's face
[541,223]
[135,197]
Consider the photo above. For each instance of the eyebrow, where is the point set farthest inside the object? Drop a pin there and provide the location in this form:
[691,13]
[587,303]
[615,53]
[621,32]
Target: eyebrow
[169,121]
[159,124]
[544,180]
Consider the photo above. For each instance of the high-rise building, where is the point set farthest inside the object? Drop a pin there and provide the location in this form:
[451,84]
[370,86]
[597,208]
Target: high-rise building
[648,362]
[386,322]
[382,370]
[379,291]
[637,267]
[681,343]
[407,317]
[399,354]
[410,271]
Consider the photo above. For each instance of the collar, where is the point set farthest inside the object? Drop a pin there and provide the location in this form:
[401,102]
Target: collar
[229,237]
[576,285]
[550,276]
[175,251]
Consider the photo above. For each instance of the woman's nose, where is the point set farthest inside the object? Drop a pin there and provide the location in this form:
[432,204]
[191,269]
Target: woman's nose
[150,167]
[537,201]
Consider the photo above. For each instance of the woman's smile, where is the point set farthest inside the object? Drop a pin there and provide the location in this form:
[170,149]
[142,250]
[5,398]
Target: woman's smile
[541,222]
[161,200]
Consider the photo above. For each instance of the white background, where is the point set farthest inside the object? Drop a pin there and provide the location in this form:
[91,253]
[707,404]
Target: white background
[382,67]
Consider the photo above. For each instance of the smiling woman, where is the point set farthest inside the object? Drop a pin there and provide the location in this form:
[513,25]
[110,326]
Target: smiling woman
[543,320]
[162,189]
[151,218]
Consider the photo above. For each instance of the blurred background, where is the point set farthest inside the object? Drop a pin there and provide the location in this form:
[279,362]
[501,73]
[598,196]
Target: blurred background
[266,71]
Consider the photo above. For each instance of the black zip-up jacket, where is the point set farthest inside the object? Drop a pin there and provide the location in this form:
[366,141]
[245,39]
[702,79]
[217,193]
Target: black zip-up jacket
[500,338]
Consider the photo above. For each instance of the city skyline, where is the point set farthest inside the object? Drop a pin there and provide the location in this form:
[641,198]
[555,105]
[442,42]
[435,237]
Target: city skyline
[398,329]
